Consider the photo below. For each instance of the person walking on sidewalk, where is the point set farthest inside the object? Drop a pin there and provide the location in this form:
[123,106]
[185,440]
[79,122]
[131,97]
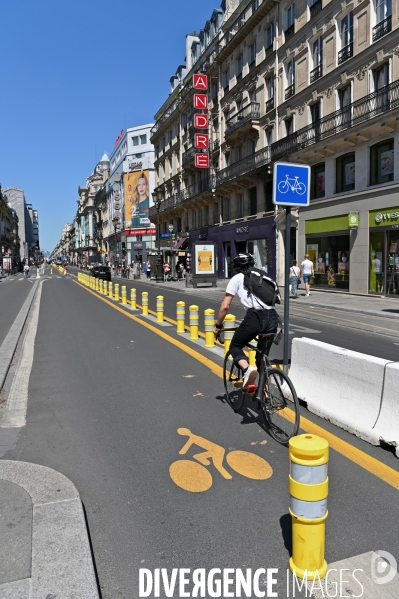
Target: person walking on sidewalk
[26,271]
[307,272]
[294,278]
[259,318]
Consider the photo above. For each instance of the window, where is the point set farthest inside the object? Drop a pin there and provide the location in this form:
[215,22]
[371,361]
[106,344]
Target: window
[382,162]
[240,205]
[289,125]
[315,116]
[214,90]
[143,138]
[345,172]
[381,76]
[239,67]
[252,95]
[317,181]
[269,136]
[383,9]
[252,53]
[226,209]
[318,52]
[226,79]
[344,100]
[227,158]
[347,30]
[290,21]
[270,87]
[290,70]
[140,155]
[135,140]
[269,38]
[238,153]
[253,201]
[216,212]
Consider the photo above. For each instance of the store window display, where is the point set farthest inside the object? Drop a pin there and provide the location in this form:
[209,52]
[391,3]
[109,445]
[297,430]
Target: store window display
[331,260]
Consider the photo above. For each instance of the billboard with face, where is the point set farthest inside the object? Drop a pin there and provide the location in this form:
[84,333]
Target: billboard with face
[137,199]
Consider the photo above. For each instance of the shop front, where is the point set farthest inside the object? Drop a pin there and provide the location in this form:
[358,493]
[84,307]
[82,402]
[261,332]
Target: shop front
[328,247]
[384,252]
[257,236]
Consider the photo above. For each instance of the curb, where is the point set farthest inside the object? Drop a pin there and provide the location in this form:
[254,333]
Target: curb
[62,564]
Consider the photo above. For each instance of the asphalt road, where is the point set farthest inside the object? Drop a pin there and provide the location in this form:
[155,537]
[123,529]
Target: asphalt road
[13,292]
[107,396]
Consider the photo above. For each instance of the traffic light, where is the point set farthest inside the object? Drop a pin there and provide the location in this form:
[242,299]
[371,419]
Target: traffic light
[123,246]
[37,247]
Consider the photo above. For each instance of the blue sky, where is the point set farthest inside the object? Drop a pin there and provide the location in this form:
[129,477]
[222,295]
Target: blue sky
[73,75]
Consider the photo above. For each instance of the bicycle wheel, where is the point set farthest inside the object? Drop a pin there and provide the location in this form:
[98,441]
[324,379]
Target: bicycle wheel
[283,186]
[300,188]
[233,379]
[280,406]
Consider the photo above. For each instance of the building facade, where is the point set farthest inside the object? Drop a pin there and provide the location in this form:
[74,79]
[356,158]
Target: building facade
[16,198]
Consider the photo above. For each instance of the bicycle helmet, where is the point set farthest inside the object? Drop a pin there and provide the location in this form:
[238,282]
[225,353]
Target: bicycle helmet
[243,260]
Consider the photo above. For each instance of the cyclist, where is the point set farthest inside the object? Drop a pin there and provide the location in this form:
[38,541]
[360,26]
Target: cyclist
[260,318]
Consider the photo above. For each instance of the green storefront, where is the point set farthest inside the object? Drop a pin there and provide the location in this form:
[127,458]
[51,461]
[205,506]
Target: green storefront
[384,251]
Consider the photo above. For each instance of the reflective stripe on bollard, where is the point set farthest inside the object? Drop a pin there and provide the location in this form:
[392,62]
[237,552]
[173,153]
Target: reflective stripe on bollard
[123,294]
[116,292]
[209,324]
[133,303]
[144,303]
[228,323]
[308,505]
[193,318]
[110,289]
[180,314]
[160,308]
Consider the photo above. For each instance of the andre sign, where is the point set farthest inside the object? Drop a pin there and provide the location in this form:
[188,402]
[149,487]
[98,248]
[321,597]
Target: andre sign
[201,140]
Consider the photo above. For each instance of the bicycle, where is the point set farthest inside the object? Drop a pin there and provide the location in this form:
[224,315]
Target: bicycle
[275,393]
[297,186]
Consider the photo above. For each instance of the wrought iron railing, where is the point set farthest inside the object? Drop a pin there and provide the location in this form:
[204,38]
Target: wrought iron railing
[316,73]
[289,91]
[364,109]
[382,28]
[289,32]
[269,50]
[188,155]
[345,53]
[270,104]
[216,144]
[243,166]
[249,112]
[316,8]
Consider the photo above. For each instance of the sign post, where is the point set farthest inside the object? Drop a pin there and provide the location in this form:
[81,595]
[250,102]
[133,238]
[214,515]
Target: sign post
[291,186]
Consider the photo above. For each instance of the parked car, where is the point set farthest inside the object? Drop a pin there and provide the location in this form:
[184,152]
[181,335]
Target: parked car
[101,272]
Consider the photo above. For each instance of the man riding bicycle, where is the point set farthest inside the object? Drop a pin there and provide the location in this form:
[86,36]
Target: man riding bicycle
[260,317]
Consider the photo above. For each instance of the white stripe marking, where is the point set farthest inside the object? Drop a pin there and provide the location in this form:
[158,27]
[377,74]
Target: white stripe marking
[17,403]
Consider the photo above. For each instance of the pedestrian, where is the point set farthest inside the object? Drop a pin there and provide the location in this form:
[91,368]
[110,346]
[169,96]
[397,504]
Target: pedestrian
[65,271]
[295,274]
[26,270]
[166,271]
[307,272]
[128,271]
[148,270]
[183,270]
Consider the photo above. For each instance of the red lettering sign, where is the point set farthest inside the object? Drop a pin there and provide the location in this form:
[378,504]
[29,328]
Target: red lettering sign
[149,231]
[201,101]
[118,138]
[201,121]
[201,140]
[200,81]
[202,160]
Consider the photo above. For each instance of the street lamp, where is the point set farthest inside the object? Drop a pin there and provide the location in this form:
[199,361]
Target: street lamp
[157,198]
[115,222]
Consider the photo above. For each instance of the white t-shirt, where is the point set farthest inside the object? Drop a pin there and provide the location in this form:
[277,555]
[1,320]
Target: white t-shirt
[236,287]
[307,266]
[295,272]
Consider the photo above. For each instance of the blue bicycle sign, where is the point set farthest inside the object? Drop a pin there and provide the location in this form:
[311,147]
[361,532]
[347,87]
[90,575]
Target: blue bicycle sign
[291,184]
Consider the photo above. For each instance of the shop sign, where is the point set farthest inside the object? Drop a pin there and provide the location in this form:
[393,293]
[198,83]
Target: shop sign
[353,220]
[201,121]
[148,231]
[385,216]
[242,230]
[135,165]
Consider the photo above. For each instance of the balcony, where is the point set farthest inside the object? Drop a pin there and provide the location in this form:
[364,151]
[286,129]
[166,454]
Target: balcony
[243,119]
[244,166]
[188,156]
[345,53]
[382,28]
[289,32]
[316,73]
[216,144]
[316,8]
[270,104]
[289,91]
[380,102]
[269,50]
[239,77]
[205,185]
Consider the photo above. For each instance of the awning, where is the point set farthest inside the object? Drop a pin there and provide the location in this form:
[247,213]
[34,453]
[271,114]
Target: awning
[179,244]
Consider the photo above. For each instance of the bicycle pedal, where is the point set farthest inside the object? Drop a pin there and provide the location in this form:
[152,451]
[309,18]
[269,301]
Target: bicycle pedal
[251,389]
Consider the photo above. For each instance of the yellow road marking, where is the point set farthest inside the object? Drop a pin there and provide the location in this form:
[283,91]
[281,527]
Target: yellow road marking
[372,465]
[375,326]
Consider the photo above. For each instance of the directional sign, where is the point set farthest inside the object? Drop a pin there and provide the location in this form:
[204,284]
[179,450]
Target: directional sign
[291,184]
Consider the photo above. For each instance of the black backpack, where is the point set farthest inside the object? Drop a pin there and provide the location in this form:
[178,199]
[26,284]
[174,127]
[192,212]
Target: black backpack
[261,286]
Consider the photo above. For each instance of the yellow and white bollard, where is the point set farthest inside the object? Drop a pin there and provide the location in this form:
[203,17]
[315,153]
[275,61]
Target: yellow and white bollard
[180,314]
[209,318]
[97,285]
[308,505]
[160,308]
[100,285]
[123,300]
[193,318]
[252,355]
[116,292]
[228,323]
[110,289]
[133,301]
[144,303]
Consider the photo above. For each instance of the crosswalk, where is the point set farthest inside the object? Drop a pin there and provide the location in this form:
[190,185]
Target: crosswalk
[19,279]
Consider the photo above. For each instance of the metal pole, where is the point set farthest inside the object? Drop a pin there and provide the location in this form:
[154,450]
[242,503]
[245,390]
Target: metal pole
[287,286]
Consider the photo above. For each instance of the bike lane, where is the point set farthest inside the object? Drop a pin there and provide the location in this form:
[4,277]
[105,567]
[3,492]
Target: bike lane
[107,406]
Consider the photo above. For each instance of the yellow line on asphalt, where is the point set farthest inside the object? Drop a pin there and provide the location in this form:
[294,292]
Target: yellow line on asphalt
[380,470]
[375,326]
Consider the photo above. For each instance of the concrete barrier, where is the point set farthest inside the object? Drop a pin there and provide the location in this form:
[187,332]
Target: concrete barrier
[340,385]
[387,425]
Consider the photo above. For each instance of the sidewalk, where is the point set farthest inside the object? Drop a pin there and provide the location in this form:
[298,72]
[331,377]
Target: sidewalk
[360,304]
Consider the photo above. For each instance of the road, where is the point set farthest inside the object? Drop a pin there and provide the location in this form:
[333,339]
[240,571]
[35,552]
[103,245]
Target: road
[109,391]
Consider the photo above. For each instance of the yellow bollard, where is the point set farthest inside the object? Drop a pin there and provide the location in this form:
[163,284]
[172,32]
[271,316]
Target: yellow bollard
[133,303]
[116,292]
[144,303]
[180,314]
[209,317]
[252,355]
[308,505]
[193,318]
[160,308]
[97,284]
[228,323]
[100,285]
[123,300]
[110,289]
